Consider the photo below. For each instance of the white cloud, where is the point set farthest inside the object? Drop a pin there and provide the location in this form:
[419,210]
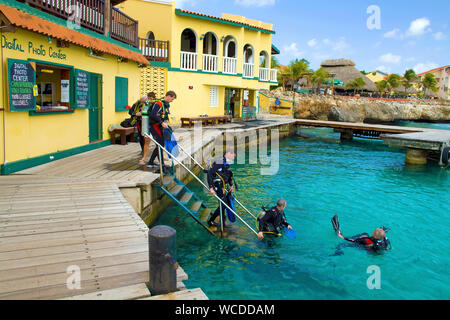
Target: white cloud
[254,3]
[377,44]
[410,59]
[390,58]
[182,3]
[292,51]
[419,27]
[384,69]
[422,67]
[439,36]
[339,45]
[394,34]
[312,43]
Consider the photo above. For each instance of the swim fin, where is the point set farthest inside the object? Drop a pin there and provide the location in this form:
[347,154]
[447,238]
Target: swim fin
[335,223]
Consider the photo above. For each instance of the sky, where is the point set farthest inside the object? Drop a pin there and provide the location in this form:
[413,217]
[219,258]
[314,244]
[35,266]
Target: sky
[390,36]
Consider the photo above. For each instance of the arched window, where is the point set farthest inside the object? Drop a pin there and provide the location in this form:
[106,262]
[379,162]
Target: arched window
[188,41]
[229,47]
[150,35]
[264,60]
[248,54]
[210,44]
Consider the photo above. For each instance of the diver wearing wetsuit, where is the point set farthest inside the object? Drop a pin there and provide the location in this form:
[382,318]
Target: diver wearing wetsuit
[375,243]
[273,219]
[219,176]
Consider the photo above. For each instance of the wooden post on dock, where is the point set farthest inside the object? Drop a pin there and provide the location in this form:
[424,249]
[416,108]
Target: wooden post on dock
[162,260]
[347,135]
[416,156]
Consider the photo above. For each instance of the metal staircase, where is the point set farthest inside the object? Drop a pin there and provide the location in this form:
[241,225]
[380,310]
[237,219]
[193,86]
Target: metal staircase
[186,199]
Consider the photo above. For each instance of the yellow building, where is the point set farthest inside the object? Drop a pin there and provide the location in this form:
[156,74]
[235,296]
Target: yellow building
[212,63]
[63,80]
[376,76]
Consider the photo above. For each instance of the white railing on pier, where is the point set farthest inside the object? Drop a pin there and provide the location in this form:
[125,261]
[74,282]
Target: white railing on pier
[249,70]
[188,61]
[229,65]
[273,75]
[264,74]
[210,63]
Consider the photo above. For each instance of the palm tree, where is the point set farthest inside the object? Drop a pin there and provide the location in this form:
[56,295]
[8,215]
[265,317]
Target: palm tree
[429,82]
[356,84]
[381,86]
[408,79]
[319,77]
[274,62]
[393,81]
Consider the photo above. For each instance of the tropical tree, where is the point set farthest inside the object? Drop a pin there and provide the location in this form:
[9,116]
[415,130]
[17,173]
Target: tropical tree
[355,84]
[319,77]
[393,81]
[274,62]
[381,86]
[408,79]
[429,82]
[295,70]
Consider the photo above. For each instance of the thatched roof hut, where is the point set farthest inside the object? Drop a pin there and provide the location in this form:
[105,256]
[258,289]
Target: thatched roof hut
[345,71]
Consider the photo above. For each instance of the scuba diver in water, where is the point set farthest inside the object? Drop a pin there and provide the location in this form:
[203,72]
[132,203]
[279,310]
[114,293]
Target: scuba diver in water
[220,182]
[376,243]
[271,220]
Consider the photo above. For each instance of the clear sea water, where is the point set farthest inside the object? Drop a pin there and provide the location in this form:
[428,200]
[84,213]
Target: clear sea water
[368,185]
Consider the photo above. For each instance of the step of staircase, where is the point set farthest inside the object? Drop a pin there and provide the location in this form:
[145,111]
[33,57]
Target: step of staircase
[176,189]
[186,197]
[196,206]
[167,180]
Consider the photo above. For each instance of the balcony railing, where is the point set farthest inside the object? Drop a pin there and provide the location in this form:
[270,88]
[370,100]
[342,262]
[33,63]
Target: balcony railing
[249,70]
[188,61]
[273,75]
[229,65]
[154,50]
[90,14]
[210,63]
[264,74]
[123,27]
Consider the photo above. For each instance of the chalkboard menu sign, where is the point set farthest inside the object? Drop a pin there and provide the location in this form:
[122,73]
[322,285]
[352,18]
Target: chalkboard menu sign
[21,78]
[82,89]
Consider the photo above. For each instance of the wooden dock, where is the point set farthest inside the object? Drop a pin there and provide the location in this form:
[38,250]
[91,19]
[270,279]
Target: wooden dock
[420,143]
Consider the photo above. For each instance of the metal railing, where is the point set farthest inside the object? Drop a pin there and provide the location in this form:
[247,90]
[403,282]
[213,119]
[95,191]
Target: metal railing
[249,70]
[161,148]
[210,63]
[188,60]
[230,65]
[154,50]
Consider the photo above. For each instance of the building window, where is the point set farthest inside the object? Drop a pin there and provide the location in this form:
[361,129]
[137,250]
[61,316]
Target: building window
[213,96]
[54,89]
[121,93]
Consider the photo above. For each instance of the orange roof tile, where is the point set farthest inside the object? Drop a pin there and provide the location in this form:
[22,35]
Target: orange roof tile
[223,19]
[32,23]
[421,74]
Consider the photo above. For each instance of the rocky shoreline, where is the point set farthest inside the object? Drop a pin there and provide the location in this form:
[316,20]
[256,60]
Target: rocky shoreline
[338,108]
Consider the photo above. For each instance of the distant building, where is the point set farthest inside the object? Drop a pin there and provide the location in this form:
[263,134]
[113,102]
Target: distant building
[442,75]
[376,75]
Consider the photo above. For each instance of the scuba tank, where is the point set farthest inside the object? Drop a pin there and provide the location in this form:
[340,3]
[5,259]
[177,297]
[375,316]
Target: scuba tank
[145,122]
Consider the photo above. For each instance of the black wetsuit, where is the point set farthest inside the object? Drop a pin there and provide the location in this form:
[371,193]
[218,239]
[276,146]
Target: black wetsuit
[366,242]
[158,114]
[272,220]
[219,176]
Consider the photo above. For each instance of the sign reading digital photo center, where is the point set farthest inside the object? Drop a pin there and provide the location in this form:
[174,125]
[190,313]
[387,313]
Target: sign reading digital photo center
[21,84]
[81,89]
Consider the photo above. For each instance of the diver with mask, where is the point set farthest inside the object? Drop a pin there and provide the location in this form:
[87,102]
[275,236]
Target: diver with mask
[220,182]
[272,220]
[378,242]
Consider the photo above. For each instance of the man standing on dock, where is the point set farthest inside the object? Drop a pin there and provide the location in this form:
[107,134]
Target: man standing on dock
[219,177]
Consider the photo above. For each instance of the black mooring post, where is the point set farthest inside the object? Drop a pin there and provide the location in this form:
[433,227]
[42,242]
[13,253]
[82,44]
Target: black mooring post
[162,260]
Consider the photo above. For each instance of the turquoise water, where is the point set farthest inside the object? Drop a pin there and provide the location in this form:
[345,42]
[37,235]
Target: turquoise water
[367,185]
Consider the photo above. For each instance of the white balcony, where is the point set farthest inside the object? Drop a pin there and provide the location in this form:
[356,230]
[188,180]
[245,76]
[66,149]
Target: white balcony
[264,74]
[229,65]
[210,63]
[249,70]
[188,61]
[273,75]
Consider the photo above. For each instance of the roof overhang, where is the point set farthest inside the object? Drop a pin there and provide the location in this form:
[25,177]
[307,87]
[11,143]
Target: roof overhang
[275,50]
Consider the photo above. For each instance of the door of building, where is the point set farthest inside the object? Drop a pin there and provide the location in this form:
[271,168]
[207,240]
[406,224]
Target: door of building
[96,108]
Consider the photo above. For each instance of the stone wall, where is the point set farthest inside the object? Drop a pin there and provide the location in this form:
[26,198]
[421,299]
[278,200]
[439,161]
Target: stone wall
[337,108]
